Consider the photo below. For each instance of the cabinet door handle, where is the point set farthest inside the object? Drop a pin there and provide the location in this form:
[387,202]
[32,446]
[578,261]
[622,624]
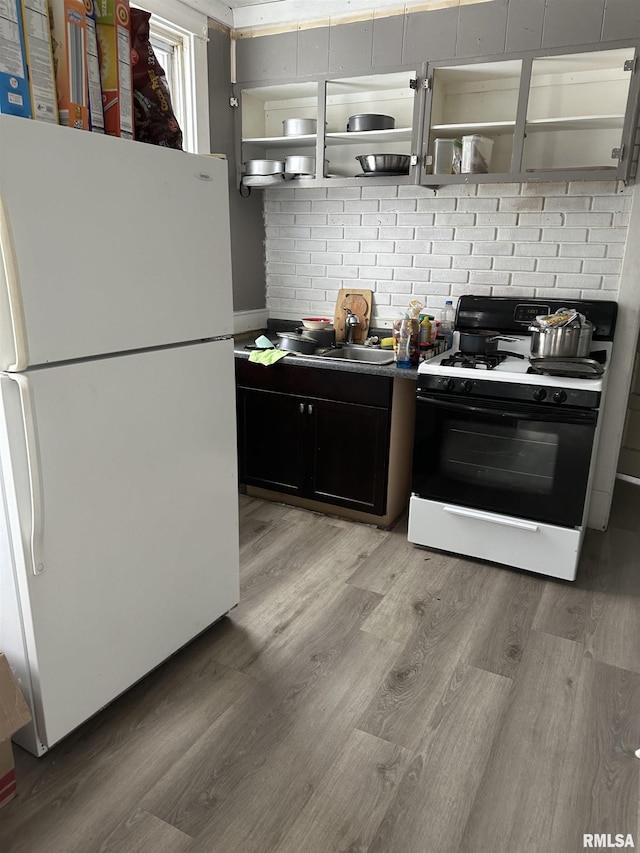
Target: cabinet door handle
[310,408]
[301,408]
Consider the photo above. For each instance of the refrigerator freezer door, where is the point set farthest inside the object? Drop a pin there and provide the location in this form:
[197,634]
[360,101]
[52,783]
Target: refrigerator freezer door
[136,507]
[107,245]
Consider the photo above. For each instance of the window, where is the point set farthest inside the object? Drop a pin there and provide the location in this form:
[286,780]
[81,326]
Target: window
[182,53]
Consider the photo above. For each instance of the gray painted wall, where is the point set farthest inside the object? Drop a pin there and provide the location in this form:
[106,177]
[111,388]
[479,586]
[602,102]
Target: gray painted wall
[247,223]
[484,29]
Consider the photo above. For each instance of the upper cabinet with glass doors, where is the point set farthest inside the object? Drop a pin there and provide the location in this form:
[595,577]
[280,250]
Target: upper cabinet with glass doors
[352,129]
[561,116]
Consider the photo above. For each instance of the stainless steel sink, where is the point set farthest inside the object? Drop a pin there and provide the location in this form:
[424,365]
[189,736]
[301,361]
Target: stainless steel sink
[364,355]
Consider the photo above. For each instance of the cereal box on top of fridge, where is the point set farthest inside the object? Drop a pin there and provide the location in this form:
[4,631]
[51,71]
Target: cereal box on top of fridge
[14,82]
[96,113]
[114,43]
[69,41]
[39,56]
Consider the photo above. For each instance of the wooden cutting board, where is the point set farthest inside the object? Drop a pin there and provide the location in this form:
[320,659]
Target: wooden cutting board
[359,301]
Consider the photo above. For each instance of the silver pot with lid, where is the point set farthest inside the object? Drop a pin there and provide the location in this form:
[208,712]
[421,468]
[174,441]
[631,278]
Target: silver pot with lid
[565,334]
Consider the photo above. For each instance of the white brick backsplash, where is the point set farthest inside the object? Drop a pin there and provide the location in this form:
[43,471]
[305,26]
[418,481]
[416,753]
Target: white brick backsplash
[398,205]
[582,250]
[497,220]
[533,279]
[361,233]
[379,192]
[326,258]
[448,277]
[344,219]
[379,219]
[475,262]
[412,274]
[433,205]
[559,265]
[434,234]
[553,240]
[345,272]
[434,261]
[521,204]
[492,277]
[334,206]
[515,264]
[493,249]
[583,282]
[396,233]
[362,205]
[608,266]
[473,234]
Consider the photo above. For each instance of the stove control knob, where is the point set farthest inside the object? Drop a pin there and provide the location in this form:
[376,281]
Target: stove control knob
[559,396]
[539,395]
[448,384]
[466,385]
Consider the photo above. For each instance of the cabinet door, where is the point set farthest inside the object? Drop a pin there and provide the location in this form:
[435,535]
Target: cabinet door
[349,455]
[478,100]
[271,439]
[577,112]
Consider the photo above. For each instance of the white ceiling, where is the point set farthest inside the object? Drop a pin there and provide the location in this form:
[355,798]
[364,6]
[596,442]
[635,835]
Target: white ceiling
[245,14]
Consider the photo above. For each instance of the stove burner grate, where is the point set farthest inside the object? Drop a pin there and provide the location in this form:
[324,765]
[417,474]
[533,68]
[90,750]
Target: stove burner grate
[465,359]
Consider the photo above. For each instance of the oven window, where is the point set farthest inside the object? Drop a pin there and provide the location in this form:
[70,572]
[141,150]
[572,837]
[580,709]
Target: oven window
[511,456]
[528,462]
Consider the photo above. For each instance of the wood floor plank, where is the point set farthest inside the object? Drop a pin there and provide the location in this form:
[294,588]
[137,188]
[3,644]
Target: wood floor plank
[501,635]
[599,784]
[382,568]
[435,796]
[87,784]
[401,708]
[245,781]
[422,576]
[141,832]
[514,808]
[345,810]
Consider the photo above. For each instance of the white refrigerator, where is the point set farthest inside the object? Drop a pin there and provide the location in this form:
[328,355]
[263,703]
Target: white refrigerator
[118,502]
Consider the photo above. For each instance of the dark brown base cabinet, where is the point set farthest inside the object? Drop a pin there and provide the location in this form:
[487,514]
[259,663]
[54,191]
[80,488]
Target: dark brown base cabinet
[321,436]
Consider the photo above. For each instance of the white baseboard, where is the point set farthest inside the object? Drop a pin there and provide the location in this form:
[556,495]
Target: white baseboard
[628,478]
[248,321]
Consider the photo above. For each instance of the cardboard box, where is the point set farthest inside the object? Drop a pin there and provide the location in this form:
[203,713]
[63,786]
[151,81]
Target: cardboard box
[14,81]
[96,114]
[39,56]
[69,41]
[113,20]
[14,714]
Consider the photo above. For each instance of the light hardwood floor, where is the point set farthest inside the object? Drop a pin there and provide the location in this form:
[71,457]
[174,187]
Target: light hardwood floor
[367,696]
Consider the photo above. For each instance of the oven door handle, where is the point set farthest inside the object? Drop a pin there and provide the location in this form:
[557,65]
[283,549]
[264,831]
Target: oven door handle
[489,516]
[556,416]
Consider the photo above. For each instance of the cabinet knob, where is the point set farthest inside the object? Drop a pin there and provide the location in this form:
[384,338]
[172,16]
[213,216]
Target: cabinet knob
[310,408]
[301,408]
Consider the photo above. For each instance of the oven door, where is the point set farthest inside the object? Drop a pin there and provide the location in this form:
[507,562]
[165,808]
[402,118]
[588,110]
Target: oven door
[517,459]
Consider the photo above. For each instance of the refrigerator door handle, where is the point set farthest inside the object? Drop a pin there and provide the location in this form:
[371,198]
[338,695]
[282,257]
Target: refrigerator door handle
[33,468]
[16,313]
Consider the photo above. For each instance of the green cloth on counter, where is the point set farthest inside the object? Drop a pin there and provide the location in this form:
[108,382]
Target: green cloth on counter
[267,356]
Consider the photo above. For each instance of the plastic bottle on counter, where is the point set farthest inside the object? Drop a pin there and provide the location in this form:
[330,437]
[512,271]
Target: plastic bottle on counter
[425,330]
[447,322]
[403,358]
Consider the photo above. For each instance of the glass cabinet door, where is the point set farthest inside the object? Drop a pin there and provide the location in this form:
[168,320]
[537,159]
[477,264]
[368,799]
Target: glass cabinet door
[576,110]
[471,118]
[369,126]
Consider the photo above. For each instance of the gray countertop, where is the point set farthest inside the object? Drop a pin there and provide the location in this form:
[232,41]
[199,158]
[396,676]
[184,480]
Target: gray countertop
[297,360]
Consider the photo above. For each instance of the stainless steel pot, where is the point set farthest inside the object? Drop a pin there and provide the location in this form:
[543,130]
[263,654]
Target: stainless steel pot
[561,341]
[299,126]
[263,167]
[370,121]
[322,337]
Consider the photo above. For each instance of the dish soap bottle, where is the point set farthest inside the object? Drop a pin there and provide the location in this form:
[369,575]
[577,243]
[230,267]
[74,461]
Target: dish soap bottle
[403,358]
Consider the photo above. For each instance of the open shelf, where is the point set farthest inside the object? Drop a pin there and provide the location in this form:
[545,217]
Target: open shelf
[398,134]
[595,122]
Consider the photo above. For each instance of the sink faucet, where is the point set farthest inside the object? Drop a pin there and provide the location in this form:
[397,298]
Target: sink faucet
[350,324]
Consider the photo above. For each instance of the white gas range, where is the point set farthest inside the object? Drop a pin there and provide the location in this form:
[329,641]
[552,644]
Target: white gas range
[503,456]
